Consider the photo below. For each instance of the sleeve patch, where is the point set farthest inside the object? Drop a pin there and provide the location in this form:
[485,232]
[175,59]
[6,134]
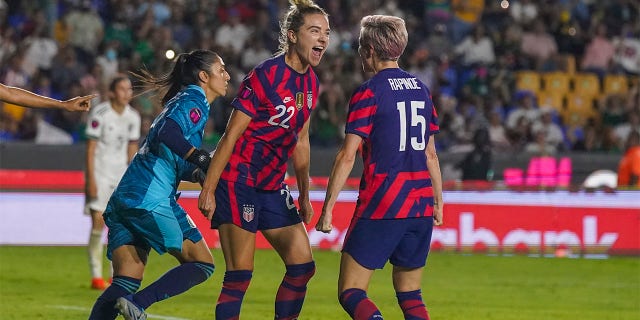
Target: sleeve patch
[95,124]
[195,115]
[246,92]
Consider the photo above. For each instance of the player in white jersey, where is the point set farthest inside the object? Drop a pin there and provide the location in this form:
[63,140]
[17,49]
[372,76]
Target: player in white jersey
[113,130]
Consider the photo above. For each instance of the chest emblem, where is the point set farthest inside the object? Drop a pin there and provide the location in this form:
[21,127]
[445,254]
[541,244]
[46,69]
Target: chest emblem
[299,100]
[309,99]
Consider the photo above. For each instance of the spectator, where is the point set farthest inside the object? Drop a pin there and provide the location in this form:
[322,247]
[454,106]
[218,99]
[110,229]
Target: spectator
[40,52]
[86,30]
[497,133]
[539,46]
[524,108]
[466,13]
[627,54]
[476,48]
[629,166]
[539,146]
[477,163]
[623,130]
[438,42]
[233,34]
[66,69]
[599,53]
[523,12]
[253,53]
[552,131]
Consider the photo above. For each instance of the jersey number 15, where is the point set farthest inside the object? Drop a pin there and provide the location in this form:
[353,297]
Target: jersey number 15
[417,120]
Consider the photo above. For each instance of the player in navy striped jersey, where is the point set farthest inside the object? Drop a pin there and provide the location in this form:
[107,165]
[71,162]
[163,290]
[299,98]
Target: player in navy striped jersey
[393,117]
[244,190]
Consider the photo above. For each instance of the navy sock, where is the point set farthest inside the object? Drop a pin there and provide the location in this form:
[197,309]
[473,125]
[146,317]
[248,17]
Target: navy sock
[233,289]
[412,305]
[356,303]
[104,308]
[174,282]
[293,290]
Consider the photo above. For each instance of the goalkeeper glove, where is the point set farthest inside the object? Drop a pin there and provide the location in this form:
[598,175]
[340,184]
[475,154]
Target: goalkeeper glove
[200,158]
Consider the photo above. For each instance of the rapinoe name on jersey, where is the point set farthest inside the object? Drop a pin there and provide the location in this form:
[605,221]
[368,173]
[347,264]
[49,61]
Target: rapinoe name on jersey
[404,84]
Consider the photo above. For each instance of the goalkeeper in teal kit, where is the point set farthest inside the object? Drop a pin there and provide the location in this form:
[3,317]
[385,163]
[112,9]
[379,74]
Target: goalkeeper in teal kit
[143,212]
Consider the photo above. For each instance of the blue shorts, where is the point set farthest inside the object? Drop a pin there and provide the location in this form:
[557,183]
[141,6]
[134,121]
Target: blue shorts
[403,242]
[163,229]
[253,209]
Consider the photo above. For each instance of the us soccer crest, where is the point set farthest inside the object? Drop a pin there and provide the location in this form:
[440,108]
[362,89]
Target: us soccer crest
[299,100]
[248,212]
[309,99]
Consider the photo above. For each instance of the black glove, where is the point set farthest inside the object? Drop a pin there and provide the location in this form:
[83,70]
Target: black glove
[200,158]
[198,176]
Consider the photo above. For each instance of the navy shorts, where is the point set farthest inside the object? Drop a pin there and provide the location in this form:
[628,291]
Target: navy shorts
[403,242]
[163,229]
[253,209]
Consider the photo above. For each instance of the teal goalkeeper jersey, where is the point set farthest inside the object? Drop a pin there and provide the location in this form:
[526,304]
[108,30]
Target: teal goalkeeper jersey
[155,172]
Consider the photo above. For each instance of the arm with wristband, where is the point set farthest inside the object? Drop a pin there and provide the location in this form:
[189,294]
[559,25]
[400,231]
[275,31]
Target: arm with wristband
[172,136]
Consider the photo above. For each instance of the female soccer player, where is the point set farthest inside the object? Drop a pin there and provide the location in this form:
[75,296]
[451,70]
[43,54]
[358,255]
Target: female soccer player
[269,124]
[113,130]
[143,212]
[29,99]
[401,189]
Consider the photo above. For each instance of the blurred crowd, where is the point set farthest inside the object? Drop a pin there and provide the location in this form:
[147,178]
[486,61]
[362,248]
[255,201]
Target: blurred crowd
[470,53]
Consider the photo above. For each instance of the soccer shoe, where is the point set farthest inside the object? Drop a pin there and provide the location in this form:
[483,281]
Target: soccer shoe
[98,284]
[129,310]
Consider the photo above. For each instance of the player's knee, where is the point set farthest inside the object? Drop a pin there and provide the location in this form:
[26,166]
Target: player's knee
[304,271]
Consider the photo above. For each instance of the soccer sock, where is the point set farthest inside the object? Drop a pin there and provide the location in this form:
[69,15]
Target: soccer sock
[234,287]
[95,249]
[104,308]
[412,306]
[356,303]
[293,289]
[174,282]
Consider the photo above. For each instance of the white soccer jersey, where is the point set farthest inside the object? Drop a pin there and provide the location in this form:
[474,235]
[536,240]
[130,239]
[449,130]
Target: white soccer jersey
[113,132]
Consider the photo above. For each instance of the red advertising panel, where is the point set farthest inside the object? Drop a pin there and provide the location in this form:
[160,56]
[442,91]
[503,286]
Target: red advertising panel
[535,226]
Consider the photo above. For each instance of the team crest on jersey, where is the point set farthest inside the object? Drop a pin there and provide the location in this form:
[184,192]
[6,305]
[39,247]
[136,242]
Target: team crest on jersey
[95,124]
[195,114]
[247,212]
[309,99]
[299,100]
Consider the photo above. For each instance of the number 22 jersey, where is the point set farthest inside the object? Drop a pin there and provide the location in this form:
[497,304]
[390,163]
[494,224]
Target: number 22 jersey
[279,101]
[395,116]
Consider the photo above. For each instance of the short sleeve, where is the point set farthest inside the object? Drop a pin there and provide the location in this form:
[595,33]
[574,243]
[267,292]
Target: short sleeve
[362,108]
[434,127]
[188,114]
[248,98]
[94,124]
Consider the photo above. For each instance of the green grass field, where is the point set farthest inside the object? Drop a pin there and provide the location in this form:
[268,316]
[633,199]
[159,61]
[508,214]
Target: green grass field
[53,283]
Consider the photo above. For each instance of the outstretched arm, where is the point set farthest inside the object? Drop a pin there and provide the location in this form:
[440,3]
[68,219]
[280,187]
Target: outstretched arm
[29,99]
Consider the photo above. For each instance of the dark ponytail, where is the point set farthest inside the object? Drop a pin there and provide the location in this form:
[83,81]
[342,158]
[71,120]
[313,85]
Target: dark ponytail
[185,72]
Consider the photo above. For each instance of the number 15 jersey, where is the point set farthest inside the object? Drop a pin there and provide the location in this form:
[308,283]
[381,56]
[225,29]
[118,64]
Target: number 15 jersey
[394,114]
